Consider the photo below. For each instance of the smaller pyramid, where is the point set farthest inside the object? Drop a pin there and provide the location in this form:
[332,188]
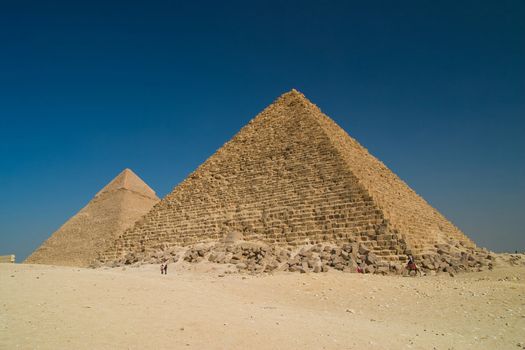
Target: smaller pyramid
[83,237]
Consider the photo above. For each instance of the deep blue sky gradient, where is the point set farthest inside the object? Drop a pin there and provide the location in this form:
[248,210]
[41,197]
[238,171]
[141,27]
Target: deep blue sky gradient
[436,90]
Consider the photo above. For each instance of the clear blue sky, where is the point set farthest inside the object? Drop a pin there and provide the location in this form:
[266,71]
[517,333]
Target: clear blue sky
[435,89]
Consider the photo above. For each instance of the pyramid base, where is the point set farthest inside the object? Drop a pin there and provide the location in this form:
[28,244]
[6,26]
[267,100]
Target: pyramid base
[259,257]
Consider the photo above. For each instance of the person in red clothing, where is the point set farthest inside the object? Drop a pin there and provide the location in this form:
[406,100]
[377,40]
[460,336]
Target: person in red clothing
[411,266]
[361,266]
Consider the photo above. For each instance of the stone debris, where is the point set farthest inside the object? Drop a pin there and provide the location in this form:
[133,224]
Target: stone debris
[259,257]
[293,191]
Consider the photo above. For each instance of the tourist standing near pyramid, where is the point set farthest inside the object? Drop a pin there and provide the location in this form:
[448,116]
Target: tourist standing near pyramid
[83,237]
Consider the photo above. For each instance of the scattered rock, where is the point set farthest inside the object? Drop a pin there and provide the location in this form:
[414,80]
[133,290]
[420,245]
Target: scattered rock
[257,257]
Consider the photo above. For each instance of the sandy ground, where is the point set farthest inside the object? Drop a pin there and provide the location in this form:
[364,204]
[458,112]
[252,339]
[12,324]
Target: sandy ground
[48,307]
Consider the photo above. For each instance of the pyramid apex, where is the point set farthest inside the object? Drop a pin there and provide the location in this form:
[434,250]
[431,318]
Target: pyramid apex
[294,98]
[294,93]
[130,181]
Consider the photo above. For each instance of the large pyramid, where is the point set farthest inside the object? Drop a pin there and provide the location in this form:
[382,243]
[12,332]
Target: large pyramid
[291,177]
[83,237]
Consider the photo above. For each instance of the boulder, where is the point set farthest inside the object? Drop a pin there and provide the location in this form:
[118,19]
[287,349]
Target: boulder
[363,250]
[371,259]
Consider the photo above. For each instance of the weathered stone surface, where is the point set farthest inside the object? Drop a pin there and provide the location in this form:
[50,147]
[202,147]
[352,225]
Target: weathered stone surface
[292,178]
[94,228]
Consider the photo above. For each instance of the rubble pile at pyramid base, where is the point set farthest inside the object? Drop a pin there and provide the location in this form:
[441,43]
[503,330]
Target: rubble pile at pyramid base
[258,257]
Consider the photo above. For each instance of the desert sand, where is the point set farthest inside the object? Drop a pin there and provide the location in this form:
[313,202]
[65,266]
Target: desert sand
[201,307]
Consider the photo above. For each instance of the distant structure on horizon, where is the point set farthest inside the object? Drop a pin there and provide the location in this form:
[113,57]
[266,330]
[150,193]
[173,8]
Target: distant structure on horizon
[291,177]
[114,209]
[7,259]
